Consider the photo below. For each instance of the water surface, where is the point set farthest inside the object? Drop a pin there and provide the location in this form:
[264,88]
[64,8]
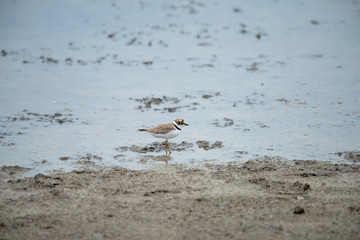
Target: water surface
[271,78]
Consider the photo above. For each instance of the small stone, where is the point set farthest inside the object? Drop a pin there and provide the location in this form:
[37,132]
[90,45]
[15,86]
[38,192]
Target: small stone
[306,187]
[299,210]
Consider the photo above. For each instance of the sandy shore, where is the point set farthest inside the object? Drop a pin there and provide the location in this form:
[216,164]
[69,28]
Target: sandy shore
[262,199]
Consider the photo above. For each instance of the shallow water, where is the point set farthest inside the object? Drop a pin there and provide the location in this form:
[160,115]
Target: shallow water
[266,78]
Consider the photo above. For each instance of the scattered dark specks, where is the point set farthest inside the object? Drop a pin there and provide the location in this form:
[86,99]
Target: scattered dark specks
[162,43]
[48,60]
[41,117]
[82,62]
[205,65]
[262,125]
[85,162]
[241,152]
[203,144]
[317,56]
[148,63]
[253,68]
[353,156]
[225,122]
[131,42]
[244,31]
[284,100]
[119,156]
[228,122]
[148,103]
[207,96]
[147,194]
[314,22]
[201,199]
[4,53]
[171,109]
[122,149]
[12,170]
[206,145]
[203,44]
[68,61]
[88,159]
[153,147]
[237,10]
[111,35]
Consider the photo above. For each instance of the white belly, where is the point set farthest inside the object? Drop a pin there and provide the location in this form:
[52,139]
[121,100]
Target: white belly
[168,135]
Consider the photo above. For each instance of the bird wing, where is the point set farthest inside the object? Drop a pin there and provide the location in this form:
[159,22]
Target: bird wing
[161,129]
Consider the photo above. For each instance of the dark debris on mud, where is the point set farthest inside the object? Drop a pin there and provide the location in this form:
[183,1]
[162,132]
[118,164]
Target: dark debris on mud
[88,159]
[3,142]
[38,181]
[149,102]
[206,145]
[59,118]
[13,170]
[225,122]
[156,147]
[352,156]
[166,104]
[282,187]
[32,119]
[240,153]
[160,146]
[161,158]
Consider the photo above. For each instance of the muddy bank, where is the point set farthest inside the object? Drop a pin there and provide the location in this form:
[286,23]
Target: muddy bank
[263,199]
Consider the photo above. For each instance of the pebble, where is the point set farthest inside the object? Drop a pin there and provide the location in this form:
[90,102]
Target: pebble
[299,210]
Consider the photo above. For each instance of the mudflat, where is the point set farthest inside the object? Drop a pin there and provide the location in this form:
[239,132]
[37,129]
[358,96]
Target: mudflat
[262,199]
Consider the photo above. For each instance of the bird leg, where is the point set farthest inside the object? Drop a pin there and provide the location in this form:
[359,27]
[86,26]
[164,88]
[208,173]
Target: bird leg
[167,147]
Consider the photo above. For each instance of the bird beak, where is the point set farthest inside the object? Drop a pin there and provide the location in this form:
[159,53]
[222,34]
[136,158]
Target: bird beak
[185,124]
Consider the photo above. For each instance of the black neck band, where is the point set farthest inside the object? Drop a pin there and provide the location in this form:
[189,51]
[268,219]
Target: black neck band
[176,126]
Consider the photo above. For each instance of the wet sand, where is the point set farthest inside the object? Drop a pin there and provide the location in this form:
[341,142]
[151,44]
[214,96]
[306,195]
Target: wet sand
[261,199]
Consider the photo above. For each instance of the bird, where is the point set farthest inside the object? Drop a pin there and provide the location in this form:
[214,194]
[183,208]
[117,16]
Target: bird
[167,131]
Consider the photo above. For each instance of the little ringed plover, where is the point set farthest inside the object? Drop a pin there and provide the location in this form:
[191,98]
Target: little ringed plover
[167,131]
